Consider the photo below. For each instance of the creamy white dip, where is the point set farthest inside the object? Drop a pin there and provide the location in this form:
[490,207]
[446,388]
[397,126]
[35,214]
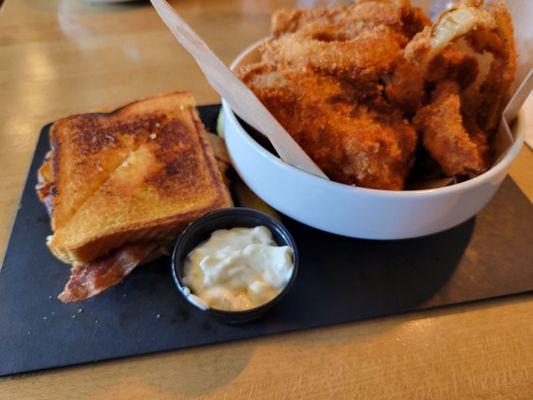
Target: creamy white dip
[238,269]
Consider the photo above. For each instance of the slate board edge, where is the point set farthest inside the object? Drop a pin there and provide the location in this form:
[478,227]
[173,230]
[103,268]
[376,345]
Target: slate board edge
[35,161]
[273,334]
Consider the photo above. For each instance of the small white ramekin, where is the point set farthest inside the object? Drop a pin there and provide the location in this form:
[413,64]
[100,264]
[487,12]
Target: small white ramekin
[354,211]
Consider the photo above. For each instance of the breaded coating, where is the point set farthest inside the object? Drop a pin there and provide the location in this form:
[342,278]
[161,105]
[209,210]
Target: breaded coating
[351,142]
[347,21]
[457,145]
[363,58]
[487,101]
[361,42]
[453,64]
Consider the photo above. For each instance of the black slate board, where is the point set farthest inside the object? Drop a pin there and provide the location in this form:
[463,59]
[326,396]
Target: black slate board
[485,257]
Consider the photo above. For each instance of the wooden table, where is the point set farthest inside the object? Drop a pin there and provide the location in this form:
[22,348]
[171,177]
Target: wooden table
[59,57]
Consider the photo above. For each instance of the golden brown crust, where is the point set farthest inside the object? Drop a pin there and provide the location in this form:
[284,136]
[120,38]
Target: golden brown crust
[394,58]
[458,150]
[350,20]
[87,148]
[354,141]
[364,58]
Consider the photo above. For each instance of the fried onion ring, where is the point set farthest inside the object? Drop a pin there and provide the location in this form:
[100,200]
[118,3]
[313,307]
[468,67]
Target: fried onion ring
[365,57]
[456,143]
[407,83]
[487,101]
[350,20]
[360,42]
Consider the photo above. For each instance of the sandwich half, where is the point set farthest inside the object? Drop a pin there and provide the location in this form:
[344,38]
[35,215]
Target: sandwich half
[118,185]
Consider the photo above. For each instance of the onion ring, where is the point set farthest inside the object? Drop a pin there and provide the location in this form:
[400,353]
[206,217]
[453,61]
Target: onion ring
[349,20]
[366,57]
[407,83]
[487,101]
[458,146]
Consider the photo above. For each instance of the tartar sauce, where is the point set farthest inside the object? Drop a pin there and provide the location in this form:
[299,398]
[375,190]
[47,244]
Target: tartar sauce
[238,269]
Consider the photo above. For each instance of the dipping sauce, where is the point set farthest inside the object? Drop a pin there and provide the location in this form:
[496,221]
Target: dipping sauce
[238,269]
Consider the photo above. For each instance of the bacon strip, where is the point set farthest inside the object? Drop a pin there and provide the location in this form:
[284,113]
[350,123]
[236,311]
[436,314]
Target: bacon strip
[87,280]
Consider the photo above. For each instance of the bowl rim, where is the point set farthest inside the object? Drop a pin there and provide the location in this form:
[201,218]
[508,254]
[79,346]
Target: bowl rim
[500,166]
[178,279]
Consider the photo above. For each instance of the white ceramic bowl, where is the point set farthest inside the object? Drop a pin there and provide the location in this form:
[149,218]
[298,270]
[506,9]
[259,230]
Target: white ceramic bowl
[354,211]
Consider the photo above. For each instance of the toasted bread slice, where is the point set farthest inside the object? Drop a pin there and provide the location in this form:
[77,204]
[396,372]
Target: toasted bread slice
[87,148]
[160,180]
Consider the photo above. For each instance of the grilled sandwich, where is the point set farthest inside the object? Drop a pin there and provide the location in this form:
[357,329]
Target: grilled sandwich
[118,185]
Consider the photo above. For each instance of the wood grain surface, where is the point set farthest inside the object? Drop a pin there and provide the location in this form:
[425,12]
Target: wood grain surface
[59,57]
